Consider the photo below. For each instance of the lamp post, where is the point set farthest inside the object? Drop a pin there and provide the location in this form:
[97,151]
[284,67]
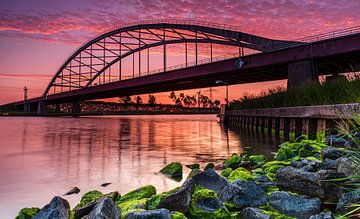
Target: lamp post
[227,90]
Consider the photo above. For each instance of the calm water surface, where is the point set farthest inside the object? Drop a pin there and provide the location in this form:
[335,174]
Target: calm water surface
[44,157]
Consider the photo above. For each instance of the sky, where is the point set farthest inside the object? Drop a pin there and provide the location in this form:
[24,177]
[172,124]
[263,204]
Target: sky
[36,36]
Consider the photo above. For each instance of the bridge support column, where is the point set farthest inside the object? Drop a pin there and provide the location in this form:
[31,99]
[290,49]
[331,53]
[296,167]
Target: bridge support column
[57,108]
[41,108]
[76,108]
[26,107]
[302,73]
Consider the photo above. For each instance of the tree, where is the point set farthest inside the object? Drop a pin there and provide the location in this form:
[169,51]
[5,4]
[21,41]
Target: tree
[138,100]
[152,99]
[217,103]
[125,99]
[172,96]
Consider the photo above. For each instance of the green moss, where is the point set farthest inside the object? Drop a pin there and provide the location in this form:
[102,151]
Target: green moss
[88,198]
[226,172]
[177,215]
[240,173]
[27,213]
[113,195]
[284,153]
[257,160]
[194,172]
[173,170]
[276,162]
[273,168]
[132,205]
[233,162]
[271,176]
[209,166]
[273,213]
[140,193]
[155,200]
[206,194]
[193,166]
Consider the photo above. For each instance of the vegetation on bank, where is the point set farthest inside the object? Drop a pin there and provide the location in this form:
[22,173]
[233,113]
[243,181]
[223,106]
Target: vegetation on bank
[335,92]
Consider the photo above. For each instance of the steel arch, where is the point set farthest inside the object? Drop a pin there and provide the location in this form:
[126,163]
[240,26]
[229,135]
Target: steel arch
[114,45]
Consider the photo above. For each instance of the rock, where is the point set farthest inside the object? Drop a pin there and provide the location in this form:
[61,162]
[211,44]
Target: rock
[307,151]
[306,164]
[104,209]
[150,214]
[204,204]
[328,164]
[335,141]
[267,185]
[85,210]
[300,138]
[257,160]
[254,213]
[140,193]
[58,208]
[346,166]
[209,166]
[243,194]
[178,200]
[74,190]
[177,215]
[347,199]
[88,197]
[173,170]
[133,205]
[233,162]
[209,179]
[284,153]
[306,183]
[226,172]
[263,179]
[105,184]
[323,215]
[240,173]
[193,166]
[27,213]
[332,153]
[294,205]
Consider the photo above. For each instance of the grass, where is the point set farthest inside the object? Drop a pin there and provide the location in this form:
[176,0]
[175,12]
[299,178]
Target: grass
[334,92]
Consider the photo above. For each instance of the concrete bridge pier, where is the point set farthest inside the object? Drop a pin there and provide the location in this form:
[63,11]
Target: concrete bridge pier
[76,108]
[27,107]
[302,73]
[41,108]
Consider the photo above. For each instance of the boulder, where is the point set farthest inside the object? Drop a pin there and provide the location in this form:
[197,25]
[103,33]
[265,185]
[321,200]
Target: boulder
[335,141]
[133,205]
[178,200]
[27,213]
[104,209]
[323,215]
[209,166]
[332,153]
[57,208]
[88,198]
[257,160]
[306,183]
[205,204]
[294,205]
[226,172]
[284,153]
[328,164]
[150,214]
[209,179]
[346,199]
[140,193]
[240,173]
[74,190]
[233,162]
[346,166]
[306,164]
[193,166]
[243,194]
[173,170]
[253,213]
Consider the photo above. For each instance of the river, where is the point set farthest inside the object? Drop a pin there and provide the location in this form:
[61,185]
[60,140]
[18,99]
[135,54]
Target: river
[41,157]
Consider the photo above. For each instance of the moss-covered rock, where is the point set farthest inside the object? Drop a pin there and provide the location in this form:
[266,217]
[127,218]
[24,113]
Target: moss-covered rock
[205,204]
[193,166]
[132,205]
[173,170]
[140,193]
[267,209]
[232,162]
[257,160]
[226,172]
[27,213]
[88,198]
[177,215]
[275,162]
[284,153]
[155,200]
[240,173]
[209,166]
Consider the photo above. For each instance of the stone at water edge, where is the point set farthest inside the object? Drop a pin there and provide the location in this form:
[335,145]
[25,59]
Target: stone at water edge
[209,166]
[347,199]
[323,215]
[88,197]
[74,190]
[294,205]
[193,166]
[58,208]
[243,194]
[173,170]
[150,214]
[205,204]
[209,179]
[105,184]
[105,208]
[253,213]
[257,160]
[332,153]
[139,193]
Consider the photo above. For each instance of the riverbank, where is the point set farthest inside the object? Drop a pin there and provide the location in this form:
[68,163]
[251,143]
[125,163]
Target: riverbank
[306,179]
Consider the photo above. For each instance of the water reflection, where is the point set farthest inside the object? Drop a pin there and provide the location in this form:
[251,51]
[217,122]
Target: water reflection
[43,157]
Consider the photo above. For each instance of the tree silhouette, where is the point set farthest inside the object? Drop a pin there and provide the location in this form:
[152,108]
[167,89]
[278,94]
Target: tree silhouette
[138,100]
[152,99]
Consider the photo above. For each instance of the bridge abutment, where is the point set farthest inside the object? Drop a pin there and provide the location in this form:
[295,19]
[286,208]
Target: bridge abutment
[41,108]
[302,73]
[76,108]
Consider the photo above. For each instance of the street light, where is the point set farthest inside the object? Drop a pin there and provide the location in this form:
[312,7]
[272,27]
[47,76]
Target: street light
[227,90]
